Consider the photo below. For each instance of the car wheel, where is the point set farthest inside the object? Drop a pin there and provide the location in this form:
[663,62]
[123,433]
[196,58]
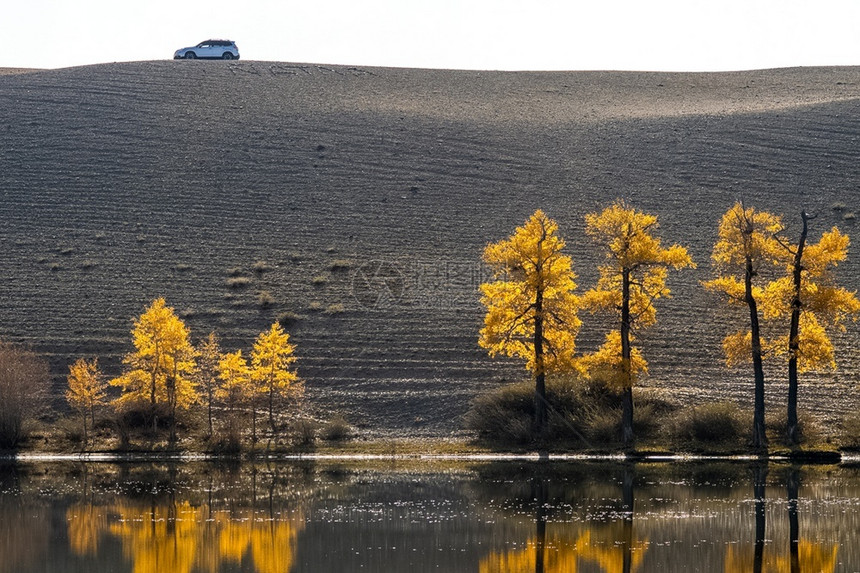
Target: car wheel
[190,56]
[227,56]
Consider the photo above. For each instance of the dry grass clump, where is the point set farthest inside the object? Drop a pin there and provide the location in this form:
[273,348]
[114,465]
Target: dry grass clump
[260,267]
[182,267]
[289,318]
[808,430]
[838,206]
[340,265]
[849,435]
[319,280]
[504,415]
[716,423]
[236,272]
[88,264]
[304,431]
[315,306]
[849,216]
[336,308]
[336,430]
[265,299]
[238,282]
[577,413]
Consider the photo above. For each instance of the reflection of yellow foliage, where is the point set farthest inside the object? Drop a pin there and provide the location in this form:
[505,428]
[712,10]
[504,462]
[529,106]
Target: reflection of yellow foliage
[607,553]
[272,543]
[561,555]
[273,546]
[86,525]
[179,539]
[164,538]
[811,557]
[234,537]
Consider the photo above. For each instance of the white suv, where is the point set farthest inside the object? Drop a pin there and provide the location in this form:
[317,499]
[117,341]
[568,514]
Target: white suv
[210,49]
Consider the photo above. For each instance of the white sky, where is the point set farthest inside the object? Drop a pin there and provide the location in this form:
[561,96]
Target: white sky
[670,35]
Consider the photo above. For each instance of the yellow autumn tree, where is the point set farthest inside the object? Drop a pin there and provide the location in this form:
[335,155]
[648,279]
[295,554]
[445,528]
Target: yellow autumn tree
[86,389]
[748,241]
[810,295]
[206,374]
[235,388]
[158,372]
[271,360]
[632,279]
[531,307]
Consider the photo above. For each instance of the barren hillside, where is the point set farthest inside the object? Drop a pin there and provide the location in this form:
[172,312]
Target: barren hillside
[376,189]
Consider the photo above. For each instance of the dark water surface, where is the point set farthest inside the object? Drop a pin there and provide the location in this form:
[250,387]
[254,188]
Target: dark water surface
[571,516]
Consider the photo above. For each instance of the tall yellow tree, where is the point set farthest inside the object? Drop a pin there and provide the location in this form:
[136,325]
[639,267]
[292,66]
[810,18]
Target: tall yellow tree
[86,389]
[748,241]
[235,388]
[158,372]
[206,375]
[271,359]
[531,307]
[632,279]
[810,295]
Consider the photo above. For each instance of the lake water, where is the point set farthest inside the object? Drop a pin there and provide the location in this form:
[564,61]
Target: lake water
[411,516]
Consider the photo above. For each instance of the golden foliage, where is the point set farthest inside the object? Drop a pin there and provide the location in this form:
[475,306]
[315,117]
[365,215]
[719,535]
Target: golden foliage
[271,359]
[86,385]
[747,233]
[235,376]
[534,280]
[606,365]
[737,347]
[208,359]
[160,368]
[824,304]
[633,254]
[746,236]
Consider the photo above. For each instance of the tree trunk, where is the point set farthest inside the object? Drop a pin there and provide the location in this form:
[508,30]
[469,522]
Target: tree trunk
[540,496]
[759,437]
[540,374]
[209,405]
[84,412]
[627,497]
[793,336]
[272,406]
[627,396]
[171,403]
[759,491]
[792,485]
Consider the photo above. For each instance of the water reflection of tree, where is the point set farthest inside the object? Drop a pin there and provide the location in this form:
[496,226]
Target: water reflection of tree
[803,555]
[24,540]
[612,546]
[167,533]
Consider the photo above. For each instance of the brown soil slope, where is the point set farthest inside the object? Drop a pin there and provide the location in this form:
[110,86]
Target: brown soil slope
[376,189]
